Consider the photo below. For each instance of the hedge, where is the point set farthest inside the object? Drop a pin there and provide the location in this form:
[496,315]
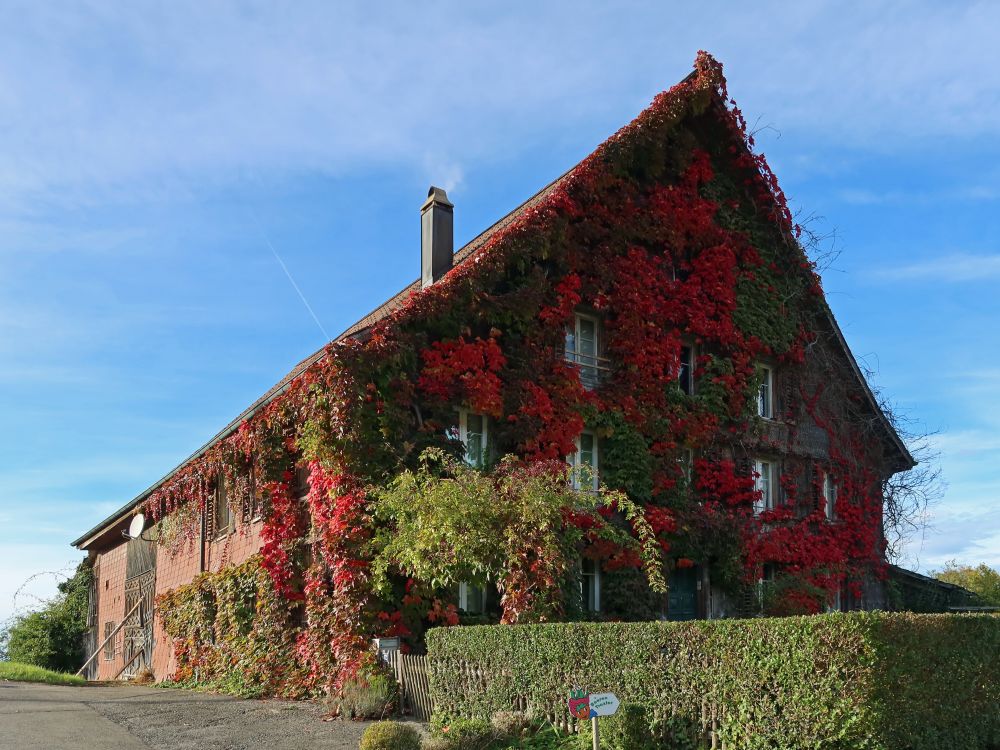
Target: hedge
[878,681]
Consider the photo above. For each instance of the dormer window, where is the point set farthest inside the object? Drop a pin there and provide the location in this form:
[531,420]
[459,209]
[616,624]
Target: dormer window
[685,375]
[473,433]
[765,394]
[584,463]
[584,347]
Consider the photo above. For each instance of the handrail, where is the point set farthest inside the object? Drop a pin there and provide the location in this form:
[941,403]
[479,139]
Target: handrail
[113,634]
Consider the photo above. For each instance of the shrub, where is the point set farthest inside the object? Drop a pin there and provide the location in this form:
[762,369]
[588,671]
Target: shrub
[863,680]
[508,723]
[467,734]
[390,735]
[367,696]
[629,729]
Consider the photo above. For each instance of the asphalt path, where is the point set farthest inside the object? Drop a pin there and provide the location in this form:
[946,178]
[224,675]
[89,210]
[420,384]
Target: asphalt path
[126,717]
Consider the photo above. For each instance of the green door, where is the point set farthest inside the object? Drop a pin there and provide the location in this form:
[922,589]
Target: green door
[682,600]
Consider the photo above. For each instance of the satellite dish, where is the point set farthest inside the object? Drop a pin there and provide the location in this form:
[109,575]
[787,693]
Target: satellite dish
[136,527]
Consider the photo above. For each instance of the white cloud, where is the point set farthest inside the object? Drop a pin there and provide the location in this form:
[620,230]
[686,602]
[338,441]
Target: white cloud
[102,96]
[953,267]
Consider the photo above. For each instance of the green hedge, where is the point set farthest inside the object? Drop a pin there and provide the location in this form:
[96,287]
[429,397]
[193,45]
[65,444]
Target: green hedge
[878,681]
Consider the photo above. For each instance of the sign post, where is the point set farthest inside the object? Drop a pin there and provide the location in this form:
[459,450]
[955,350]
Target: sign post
[583,705]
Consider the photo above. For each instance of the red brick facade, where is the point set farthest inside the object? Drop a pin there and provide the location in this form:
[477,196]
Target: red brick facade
[231,548]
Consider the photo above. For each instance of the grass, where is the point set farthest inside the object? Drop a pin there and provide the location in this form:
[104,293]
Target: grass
[16,672]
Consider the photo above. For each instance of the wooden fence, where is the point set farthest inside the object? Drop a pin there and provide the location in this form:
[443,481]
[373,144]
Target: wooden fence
[414,686]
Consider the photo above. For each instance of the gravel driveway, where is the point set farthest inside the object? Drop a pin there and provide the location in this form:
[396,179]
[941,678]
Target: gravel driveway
[124,717]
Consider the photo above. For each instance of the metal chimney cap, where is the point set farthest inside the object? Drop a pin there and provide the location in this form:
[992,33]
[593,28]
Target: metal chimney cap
[437,196]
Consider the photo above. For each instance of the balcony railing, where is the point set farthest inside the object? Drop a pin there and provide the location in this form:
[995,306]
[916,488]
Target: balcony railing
[593,369]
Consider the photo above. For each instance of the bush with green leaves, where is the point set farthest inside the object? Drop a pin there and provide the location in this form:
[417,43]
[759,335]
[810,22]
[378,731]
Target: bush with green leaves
[390,735]
[871,681]
[52,637]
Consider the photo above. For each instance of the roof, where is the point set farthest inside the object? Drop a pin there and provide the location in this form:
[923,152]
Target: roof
[362,325]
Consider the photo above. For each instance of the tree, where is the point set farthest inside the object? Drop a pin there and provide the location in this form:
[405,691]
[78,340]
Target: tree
[52,637]
[982,580]
[521,526]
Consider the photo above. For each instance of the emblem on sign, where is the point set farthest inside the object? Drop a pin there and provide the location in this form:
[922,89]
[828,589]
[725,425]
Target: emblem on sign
[579,704]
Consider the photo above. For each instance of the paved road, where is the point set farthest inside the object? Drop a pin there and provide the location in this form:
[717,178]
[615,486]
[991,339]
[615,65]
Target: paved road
[33,717]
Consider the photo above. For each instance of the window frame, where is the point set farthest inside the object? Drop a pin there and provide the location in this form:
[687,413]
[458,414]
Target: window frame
[766,411]
[464,590]
[830,496]
[220,502]
[690,390]
[463,437]
[574,462]
[577,358]
[767,501]
[590,585]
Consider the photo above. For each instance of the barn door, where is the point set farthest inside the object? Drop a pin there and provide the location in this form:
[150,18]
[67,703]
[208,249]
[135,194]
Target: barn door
[140,588]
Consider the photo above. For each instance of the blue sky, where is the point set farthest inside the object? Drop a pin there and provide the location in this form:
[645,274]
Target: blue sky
[148,152]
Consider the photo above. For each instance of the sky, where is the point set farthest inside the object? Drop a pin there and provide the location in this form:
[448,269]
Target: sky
[153,154]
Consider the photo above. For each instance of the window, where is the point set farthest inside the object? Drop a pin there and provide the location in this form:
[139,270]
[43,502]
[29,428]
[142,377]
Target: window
[765,396]
[585,462]
[765,485]
[836,602]
[109,647]
[685,376]
[472,431]
[686,462]
[471,599]
[590,585]
[583,348]
[830,496]
[222,514]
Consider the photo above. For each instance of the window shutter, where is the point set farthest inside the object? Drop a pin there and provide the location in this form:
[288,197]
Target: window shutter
[210,505]
[787,398]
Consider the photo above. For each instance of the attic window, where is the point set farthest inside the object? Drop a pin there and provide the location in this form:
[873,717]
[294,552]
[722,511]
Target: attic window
[222,514]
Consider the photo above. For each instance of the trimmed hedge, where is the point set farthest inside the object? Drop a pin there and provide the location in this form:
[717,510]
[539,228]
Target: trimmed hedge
[878,681]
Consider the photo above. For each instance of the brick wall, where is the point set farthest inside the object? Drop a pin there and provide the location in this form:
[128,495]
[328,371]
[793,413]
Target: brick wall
[230,548]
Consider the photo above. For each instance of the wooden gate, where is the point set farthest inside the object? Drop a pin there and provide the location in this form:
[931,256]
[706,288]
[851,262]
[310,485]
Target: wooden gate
[414,686]
[140,588]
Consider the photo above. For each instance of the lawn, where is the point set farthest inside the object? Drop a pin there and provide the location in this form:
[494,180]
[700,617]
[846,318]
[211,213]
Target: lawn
[12,670]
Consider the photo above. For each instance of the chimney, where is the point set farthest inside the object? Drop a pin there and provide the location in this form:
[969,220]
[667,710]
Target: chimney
[437,221]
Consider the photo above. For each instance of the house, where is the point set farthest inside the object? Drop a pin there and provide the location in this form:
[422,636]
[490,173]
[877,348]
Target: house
[650,318]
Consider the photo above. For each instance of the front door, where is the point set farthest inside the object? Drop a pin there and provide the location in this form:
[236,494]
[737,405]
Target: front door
[682,600]
[140,588]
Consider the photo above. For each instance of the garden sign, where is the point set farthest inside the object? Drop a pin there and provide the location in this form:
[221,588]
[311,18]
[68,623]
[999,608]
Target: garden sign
[584,705]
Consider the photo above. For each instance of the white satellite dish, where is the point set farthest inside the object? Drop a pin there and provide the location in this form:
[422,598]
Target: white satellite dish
[136,527]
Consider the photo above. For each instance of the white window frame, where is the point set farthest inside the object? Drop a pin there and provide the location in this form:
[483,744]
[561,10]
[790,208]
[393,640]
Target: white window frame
[764,482]
[590,584]
[463,436]
[590,371]
[765,394]
[464,594]
[829,496]
[595,465]
[689,391]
